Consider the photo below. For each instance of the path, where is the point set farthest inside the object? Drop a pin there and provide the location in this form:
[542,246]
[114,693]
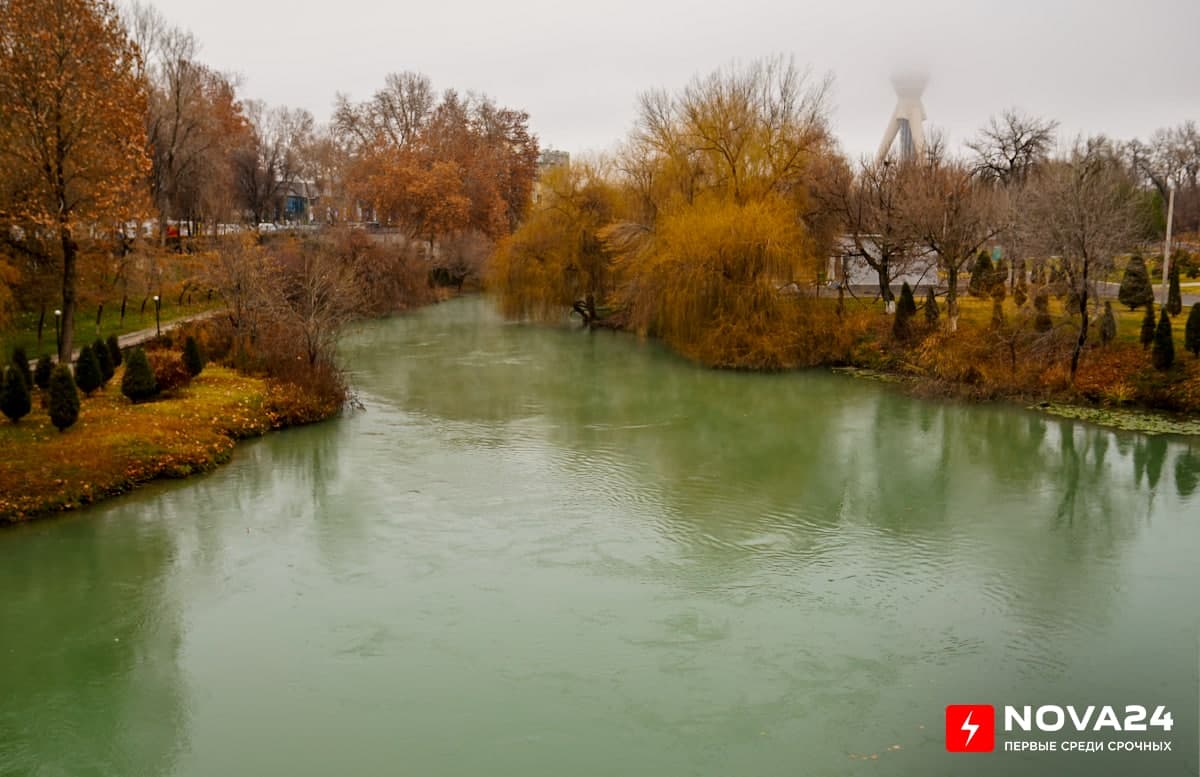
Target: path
[132,339]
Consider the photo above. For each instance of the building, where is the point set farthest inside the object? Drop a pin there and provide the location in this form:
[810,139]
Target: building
[917,271]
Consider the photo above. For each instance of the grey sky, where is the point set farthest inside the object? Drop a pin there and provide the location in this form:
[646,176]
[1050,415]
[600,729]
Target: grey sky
[1122,68]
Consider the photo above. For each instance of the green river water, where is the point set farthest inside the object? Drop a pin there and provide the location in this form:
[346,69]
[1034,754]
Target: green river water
[542,551]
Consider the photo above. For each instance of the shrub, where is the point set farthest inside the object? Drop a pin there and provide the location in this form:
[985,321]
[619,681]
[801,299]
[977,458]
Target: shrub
[1174,298]
[14,395]
[114,351]
[21,362]
[169,370]
[1147,336]
[64,398]
[1041,305]
[41,373]
[138,382]
[931,308]
[982,276]
[1191,333]
[905,310]
[105,359]
[193,357]
[1163,354]
[87,370]
[1021,292]
[1108,325]
[1135,285]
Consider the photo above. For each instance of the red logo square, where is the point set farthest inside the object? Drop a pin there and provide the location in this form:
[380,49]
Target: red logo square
[970,728]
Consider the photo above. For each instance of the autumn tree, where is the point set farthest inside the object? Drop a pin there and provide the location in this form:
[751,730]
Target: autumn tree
[1083,210]
[726,168]
[437,166]
[72,131]
[557,260]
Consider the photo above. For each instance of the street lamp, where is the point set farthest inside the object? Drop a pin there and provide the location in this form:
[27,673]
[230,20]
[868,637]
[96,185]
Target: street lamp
[157,321]
[1167,247]
[57,330]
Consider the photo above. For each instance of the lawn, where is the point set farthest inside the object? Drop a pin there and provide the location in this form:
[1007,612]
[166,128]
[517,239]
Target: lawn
[23,330]
[115,444]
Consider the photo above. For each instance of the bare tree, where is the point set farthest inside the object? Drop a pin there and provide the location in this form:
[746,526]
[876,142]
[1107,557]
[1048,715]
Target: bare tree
[1011,146]
[270,160]
[1083,209]
[953,214]
[872,208]
[394,116]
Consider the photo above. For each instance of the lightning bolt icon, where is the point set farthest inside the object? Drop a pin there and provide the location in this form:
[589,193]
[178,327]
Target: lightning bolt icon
[970,728]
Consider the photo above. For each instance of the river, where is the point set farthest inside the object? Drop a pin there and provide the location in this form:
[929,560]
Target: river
[543,551]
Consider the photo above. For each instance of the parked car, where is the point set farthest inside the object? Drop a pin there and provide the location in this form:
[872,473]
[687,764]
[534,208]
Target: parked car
[266,227]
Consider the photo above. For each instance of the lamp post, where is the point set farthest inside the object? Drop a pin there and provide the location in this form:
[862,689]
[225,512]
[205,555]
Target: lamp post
[57,330]
[157,321]
[1167,247]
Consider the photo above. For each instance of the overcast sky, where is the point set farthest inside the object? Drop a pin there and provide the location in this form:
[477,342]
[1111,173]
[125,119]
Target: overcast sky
[1124,68]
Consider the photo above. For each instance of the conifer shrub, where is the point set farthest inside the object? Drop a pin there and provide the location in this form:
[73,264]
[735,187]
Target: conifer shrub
[982,275]
[931,308]
[1148,326]
[1135,285]
[1174,298]
[169,370]
[114,350]
[14,395]
[87,371]
[1041,305]
[100,348]
[1191,332]
[906,309]
[138,382]
[193,356]
[1021,291]
[64,398]
[1163,352]
[1108,325]
[41,373]
[21,362]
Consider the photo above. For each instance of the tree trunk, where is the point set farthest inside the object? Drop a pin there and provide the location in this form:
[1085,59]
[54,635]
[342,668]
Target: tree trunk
[1083,326]
[885,289]
[70,251]
[952,299]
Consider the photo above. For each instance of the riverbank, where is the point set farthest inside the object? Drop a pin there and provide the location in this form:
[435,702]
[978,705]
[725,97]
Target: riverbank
[116,446]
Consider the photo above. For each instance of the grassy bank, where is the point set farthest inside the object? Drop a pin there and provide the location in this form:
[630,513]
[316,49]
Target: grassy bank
[117,445]
[22,330]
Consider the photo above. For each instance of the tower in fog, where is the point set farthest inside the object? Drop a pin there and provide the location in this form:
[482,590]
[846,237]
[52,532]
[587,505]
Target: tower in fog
[906,129]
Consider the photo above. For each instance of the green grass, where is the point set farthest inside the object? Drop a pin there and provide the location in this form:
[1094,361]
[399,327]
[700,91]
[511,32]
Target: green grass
[23,330]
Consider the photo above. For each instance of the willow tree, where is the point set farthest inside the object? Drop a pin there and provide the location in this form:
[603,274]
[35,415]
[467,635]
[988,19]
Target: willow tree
[72,126]
[725,169]
[556,260]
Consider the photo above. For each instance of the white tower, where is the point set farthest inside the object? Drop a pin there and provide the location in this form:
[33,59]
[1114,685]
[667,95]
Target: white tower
[906,127]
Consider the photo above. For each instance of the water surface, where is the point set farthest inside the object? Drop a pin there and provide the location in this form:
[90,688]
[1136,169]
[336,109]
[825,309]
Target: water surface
[541,551]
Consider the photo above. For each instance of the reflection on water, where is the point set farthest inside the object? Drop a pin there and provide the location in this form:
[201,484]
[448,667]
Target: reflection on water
[545,551]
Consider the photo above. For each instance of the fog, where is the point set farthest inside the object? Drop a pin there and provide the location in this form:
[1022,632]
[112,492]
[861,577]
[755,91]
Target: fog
[1123,69]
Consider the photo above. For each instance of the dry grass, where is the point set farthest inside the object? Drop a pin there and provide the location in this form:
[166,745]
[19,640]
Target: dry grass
[116,445]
